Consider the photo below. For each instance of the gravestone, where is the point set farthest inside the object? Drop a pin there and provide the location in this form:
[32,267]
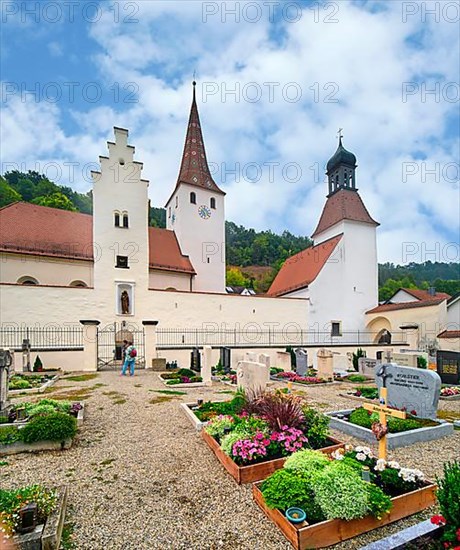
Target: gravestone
[448,367]
[195,360]
[301,362]
[283,360]
[367,366]
[325,364]
[252,376]
[265,360]
[340,362]
[250,356]
[206,371]
[226,359]
[412,389]
[408,359]
[6,361]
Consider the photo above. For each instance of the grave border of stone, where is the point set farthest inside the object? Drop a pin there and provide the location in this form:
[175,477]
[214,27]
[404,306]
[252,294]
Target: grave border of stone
[49,537]
[410,535]
[261,470]
[303,385]
[401,439]
[359,399]
[21,447]
[329,532]
[40,389]
[189,385]
[197,423]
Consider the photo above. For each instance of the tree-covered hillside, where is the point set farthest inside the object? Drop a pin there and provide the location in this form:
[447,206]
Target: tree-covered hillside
[253,257]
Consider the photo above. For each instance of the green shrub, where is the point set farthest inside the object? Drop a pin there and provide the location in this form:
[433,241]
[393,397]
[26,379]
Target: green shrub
[186,372]
[359,353]
[368,392]
[9,435]
[196,379]
[38,365]
[361,417]
[275,370]
[41,409]
[286,488]
[340,492]
[53,427]
[173,381]
[422,363]
[394,485]
[218,425]
[230,439]
[356,378]
[379,503]
[317,425]
[18,383]
[4,420]
[396,425]
[448,495]
[306,461]
[60,406]
[170,375]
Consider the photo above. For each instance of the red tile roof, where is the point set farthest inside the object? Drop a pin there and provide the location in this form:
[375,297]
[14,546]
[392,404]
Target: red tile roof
[424,294]
[194,168]
[406,305]
[300,270]
[343,205]
[449,334]
[30,229]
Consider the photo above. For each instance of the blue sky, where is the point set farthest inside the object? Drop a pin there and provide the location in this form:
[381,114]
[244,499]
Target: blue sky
[385,72]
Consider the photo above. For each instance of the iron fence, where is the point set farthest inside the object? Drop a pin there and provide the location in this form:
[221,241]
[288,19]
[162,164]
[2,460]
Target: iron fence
[42,338]
[236,338]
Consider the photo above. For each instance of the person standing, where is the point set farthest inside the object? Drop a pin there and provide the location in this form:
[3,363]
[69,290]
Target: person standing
[130,359]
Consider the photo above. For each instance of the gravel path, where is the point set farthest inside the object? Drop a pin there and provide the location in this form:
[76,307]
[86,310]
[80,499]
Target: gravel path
[141,478]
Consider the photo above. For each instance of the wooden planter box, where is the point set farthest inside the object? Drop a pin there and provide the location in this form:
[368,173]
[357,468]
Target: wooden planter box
[255,472]
[326,533]
[47,536]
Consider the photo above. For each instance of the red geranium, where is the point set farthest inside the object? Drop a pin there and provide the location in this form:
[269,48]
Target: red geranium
[438,520]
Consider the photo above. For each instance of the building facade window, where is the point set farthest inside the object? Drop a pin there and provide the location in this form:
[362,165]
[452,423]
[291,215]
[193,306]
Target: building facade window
[213,203]
[336,328]
[177,201]
[193,198]
[27,280]
[169,212]
[78,284]
[122,262]
[125,220]
[116,218]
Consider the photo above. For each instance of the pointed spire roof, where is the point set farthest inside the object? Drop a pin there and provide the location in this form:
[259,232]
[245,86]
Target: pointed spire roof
[194,168]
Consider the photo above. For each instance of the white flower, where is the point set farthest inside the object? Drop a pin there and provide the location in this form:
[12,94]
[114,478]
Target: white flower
[367,451]
[380,466]
[359,449]
[337,455]
[412,475]
[394,464]
[361,456]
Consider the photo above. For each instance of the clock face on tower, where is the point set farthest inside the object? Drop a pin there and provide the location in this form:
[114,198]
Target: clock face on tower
[204,212]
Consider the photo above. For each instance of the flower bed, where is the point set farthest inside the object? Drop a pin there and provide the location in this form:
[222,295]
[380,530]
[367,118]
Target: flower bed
[362,393]
[258,432]
[47,425]
[358,422]
[451,393]
[296,379]
[31,383]
[181,378]
[51,508]
[339,504]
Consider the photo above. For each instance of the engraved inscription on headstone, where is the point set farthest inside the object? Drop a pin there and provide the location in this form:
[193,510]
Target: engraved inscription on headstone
[412,389]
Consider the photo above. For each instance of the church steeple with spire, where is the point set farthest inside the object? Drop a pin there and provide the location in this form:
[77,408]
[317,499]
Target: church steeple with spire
[341,169]
[195,210]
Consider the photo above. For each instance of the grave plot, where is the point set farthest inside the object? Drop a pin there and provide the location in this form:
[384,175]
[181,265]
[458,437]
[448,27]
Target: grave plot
[318,500]
[33,516]
[31,382]
[181,378]
[415,392]
[252,434]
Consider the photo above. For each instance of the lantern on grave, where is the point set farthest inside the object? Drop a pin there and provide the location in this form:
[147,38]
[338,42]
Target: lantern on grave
[27,518]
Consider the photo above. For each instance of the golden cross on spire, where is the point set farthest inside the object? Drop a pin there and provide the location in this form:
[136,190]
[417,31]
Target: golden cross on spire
[339,133]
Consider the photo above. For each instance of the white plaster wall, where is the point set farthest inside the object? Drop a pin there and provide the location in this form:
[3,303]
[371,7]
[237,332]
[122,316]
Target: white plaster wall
[402,297]
[453,315]
[200,239]
[168,279]
[69,361]
[302,293]
[35,304]
[119,187]
[47,271]
[347,286]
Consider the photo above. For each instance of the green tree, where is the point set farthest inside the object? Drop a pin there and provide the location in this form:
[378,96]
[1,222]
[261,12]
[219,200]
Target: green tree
[7,193]
[56,200]
[236,278]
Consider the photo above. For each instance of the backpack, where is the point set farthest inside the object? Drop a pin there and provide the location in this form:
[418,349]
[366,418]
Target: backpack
[133,352]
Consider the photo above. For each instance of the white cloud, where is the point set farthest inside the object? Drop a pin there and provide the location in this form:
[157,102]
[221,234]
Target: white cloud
[55,49]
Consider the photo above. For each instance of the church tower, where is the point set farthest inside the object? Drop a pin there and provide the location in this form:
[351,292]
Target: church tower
[353,271]
[120,230]
[195,211]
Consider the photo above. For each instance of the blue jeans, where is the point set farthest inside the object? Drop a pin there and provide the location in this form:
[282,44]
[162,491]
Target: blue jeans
[129,363]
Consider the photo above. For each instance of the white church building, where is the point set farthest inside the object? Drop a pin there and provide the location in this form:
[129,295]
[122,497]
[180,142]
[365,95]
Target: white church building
[62,267]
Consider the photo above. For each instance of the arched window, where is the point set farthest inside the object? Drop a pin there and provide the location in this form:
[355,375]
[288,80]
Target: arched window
[177,201]
[116,217]
[169,212]
[336,181]
[193,197]
[78,284]
[27,280]
[213,203]
[125,220]
[345,179]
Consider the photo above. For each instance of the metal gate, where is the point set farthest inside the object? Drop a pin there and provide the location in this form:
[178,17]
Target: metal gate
[110,344]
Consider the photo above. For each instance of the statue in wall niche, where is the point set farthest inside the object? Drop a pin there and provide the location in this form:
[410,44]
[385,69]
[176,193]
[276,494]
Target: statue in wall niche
[124,302]
[385,337]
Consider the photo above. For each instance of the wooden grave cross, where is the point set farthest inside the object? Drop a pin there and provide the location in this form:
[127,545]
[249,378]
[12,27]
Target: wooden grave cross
[383,410]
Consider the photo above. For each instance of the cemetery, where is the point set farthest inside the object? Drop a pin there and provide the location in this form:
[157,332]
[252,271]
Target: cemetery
[32,383]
